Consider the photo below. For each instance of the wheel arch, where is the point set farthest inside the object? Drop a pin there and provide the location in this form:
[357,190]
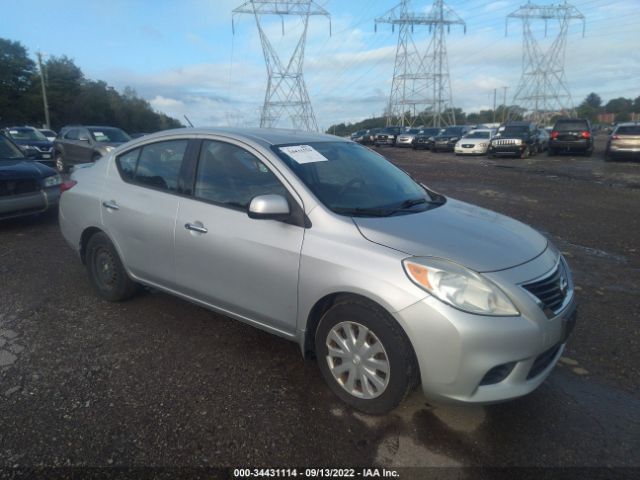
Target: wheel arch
[86,235]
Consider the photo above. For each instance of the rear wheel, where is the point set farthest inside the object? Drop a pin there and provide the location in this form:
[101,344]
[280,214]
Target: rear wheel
[106,272]
[364,356]
[61,165]
[551,152]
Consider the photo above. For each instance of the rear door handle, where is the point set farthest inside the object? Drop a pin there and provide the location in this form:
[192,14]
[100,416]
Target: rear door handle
[112,205]
[196,228]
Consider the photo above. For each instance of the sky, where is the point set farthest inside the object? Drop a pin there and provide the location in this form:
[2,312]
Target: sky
[185,59]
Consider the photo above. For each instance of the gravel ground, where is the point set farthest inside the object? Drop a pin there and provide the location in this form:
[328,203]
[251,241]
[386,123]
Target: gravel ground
[157,381]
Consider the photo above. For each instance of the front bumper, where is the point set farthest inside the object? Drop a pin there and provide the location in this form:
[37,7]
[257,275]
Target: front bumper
[404,143]
[475,150]
[457,351]
[444,146]
[386,141]
[29,203]
[507,150]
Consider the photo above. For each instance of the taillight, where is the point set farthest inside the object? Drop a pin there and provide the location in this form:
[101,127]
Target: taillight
[554,134]
[586,134]
[615,137]
[68,185]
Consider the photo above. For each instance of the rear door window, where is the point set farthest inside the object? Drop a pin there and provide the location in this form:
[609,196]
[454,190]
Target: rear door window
[156,165]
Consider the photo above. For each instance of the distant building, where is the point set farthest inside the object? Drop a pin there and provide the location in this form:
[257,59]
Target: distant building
[606,117]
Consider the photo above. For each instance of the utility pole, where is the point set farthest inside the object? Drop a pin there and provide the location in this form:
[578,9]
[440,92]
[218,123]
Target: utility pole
[495,90]
[504,103]
[421,85]
[44,91]
[286,91]
[543,90]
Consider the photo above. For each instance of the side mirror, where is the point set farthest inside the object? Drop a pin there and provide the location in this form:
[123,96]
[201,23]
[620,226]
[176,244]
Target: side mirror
[271,206]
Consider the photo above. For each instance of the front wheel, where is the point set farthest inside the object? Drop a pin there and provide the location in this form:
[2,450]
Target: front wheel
[365,357]
[106,272]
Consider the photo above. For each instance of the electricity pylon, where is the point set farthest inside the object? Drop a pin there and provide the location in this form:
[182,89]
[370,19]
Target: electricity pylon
[286,93]
[421,87]
[543,91]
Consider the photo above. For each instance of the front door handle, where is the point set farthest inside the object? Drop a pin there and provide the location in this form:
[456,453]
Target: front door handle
[112,205]
[196,228]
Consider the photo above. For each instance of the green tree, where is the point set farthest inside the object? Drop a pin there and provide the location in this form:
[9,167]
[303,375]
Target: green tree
[593,100]
[619,105]
[16,76]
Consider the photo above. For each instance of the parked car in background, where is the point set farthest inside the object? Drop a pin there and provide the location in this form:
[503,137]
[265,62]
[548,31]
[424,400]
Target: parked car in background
[571,135]
[369,138]
[85,144]
[515,139]
[357,135]
[424,140]
[33,143]
[50,134]
[446,140]
[407,138]
[27,187]
[544,138]
[393,286]
[387,136]
[476,142]
[624,142]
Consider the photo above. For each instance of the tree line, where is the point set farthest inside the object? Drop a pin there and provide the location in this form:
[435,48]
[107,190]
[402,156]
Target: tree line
[72,98]
[622,109]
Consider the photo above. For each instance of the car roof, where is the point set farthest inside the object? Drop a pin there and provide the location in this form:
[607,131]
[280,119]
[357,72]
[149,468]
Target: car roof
[262,136]
[627,124]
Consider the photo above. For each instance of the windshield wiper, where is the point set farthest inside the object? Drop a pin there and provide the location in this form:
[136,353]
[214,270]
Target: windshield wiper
[412,202]
[364,212]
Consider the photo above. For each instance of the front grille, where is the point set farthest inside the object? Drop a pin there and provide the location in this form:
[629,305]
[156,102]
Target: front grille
[542,361]
[468,146]
[506,142]
[382,137]
[550,290]
[17,187]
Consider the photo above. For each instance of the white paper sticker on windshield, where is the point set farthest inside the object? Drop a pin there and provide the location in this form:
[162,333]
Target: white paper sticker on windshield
[98,134]
[304,154]
[14,132]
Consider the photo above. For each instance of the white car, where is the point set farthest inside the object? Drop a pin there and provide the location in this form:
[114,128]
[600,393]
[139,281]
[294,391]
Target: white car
[476,142]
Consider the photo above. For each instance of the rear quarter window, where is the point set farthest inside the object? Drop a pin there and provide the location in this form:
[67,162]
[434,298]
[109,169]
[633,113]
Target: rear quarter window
[628,130]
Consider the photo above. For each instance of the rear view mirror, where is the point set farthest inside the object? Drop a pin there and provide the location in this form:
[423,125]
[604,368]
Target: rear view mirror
[271,206]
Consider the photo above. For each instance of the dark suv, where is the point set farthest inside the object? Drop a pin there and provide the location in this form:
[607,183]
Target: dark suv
[387,136]
[33,143]
[519,139]
[571,135]
[446,140]
[85,144]
[424,140]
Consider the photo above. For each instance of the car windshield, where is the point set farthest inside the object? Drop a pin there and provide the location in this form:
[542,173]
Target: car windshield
[413,131]
[478,134]
[571,126]
[8,150]
[352,180]
[109,135]
[451,131]
[391,130]
[26,134]
[628,130]
[517,130]
[48,133]
[431,131]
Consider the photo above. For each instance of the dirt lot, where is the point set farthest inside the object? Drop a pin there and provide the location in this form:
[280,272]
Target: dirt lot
[157,381]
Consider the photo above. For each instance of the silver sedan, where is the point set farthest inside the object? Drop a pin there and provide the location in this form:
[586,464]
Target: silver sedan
[324,242]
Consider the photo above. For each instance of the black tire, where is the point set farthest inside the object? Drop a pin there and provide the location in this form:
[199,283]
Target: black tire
[551,152]
[403,368]
[106,272]
[588,153]
[60,164]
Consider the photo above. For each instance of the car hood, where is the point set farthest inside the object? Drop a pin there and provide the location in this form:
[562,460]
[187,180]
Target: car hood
[480,239]
[474,141]
[17,169]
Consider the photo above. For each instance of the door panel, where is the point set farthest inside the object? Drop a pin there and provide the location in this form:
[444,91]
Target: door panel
[246,266]
[142,224]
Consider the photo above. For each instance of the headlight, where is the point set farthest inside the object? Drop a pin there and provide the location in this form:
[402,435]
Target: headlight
[518,141]
[455,139]
[458,286]
[483,144]
[52,181]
